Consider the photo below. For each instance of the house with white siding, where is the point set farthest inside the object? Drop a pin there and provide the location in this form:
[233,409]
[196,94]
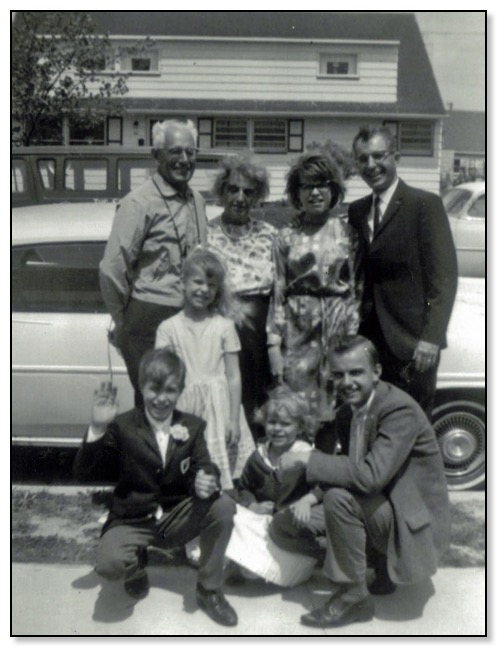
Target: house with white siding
[276,82]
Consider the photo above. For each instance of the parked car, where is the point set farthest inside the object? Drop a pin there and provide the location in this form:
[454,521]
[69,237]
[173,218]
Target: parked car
[466,207]
[60,351]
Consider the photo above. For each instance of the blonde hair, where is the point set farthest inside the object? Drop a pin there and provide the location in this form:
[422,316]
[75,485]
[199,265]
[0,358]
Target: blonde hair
[213,267]
[296,404]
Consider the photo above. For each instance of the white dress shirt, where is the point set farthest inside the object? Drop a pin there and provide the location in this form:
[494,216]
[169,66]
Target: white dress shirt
[385,198]
[161,431]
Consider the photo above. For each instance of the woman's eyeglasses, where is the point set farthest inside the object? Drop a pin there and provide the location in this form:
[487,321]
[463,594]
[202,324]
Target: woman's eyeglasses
[233,189]
[322,187]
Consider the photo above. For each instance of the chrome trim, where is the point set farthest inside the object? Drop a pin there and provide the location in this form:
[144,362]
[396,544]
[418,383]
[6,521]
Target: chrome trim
[119,370]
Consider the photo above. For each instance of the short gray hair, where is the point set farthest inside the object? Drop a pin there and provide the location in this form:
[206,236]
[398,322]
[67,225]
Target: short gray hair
[160,129]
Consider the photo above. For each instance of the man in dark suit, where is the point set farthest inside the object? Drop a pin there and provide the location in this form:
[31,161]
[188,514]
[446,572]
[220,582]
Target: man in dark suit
[384,495]
[167,490]
[410,268]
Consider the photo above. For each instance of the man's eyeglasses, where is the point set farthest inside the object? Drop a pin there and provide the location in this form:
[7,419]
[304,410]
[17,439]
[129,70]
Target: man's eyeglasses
[378,156]
[177,151]
[309,188]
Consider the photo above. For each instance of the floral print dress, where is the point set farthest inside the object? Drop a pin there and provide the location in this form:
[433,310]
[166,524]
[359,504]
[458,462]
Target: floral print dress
[316,299]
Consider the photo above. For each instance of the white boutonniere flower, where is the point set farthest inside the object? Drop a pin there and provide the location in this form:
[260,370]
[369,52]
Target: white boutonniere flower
[178,432]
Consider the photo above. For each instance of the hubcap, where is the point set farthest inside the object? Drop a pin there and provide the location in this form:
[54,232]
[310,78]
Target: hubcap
[461,436]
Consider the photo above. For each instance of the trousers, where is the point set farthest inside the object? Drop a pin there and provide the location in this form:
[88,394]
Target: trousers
[141,320]
[353,526]
[211,519]
[402,372]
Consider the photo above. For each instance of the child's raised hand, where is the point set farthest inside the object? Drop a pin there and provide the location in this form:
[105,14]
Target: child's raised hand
[232,433]
[105,405]
[264,507]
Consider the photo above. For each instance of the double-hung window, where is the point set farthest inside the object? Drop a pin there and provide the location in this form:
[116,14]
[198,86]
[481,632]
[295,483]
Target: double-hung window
[414,138]
[262,135]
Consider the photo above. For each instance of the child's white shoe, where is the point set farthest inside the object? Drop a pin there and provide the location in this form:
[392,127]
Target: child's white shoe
[192,550]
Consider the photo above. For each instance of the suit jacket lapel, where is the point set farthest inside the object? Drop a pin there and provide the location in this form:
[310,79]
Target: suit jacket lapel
[146,433]
[368,205]
[172,444]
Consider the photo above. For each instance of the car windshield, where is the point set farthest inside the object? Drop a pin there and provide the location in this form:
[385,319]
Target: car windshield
[455,200]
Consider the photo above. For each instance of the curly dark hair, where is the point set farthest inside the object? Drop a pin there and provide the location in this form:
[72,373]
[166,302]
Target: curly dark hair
[246,165]
[316,165]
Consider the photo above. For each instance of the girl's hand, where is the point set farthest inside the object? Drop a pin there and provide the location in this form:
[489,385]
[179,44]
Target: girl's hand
[232,433]
[105,405]
[265,507]
[301,511]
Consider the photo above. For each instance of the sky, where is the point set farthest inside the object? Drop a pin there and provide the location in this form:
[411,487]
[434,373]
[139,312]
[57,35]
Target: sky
[455,42]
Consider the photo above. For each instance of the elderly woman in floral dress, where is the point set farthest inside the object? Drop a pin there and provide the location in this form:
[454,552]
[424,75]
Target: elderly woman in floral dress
[245,244]
[316,296]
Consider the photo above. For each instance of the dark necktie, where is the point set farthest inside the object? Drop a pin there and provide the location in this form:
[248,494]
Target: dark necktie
[377,215]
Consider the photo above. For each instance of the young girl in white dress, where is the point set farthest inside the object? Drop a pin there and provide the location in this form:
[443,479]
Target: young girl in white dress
[264,490]
[207,342]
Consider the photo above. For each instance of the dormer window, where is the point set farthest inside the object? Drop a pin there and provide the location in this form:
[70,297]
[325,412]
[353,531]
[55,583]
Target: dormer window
[145,63]
[338,66]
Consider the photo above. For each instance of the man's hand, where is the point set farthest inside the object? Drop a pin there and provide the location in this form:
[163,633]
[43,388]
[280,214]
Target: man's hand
[264,507]
[276,363]
[425,355]
[294,460]
[205,484]
[115,336]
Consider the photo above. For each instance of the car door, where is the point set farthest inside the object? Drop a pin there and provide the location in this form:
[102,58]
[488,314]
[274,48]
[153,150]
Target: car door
[60,351]
[471,237]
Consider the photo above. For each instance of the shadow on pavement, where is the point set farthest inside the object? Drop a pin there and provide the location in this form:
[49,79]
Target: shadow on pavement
[407,603]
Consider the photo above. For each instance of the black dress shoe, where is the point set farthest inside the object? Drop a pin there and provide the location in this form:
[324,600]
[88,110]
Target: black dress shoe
[382,584]
[137,585]
[338,612]
[216,606]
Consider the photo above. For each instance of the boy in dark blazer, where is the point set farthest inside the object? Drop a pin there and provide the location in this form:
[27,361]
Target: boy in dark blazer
[385,493]
[167,489]
[410,268]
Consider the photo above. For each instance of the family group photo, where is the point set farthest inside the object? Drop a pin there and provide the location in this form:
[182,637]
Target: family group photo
[248,311]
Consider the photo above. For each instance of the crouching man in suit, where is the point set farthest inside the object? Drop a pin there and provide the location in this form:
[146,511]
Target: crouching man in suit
[167,488]
[385,495]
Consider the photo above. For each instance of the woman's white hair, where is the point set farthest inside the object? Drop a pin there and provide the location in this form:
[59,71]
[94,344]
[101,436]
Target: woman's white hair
[160,129]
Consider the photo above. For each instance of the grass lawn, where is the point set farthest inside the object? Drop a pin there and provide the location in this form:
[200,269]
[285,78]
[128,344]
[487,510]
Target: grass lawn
[64,528]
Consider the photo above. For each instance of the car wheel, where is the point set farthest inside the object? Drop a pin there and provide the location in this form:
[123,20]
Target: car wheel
[460,430]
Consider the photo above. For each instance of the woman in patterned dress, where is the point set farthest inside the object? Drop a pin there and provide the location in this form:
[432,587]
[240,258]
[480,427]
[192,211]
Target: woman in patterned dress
[246,247]
[316,294]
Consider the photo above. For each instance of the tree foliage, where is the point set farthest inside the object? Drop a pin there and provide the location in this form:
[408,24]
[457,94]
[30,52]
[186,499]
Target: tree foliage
[58,60]
[342,156]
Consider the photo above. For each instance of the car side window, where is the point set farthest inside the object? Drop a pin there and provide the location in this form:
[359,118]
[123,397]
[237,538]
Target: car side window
[57,278]
[46,169]
[85,175]
[19,177]
[132,173]
[478,209]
